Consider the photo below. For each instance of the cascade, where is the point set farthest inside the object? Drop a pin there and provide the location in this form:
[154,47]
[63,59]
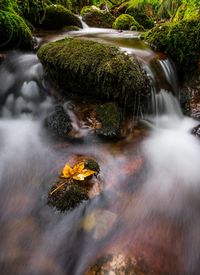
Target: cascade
[151,215]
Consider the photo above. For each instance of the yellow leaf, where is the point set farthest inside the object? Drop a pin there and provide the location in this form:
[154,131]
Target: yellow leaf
[78,168]
[67,171]
[77,172]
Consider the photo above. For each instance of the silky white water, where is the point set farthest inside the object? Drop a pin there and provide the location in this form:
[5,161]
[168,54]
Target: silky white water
[151,184]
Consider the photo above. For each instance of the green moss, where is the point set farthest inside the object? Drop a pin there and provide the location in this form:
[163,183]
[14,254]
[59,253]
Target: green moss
[14,32]
[126,22]
[110,116]
[180,40]
[92,69]
[98,19]
[70,196]
[57,17]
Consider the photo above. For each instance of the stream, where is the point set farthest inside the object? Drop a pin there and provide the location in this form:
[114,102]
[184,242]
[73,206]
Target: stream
[147,215]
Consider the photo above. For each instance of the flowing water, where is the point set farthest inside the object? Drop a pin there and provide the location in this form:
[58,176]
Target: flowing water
[149,208]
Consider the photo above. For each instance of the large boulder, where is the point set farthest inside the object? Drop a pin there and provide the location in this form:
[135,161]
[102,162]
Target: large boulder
[98,71]
[57,17]
[180,40]
[94,17]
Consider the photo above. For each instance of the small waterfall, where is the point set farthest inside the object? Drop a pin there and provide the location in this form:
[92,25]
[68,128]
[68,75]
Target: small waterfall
[84,25]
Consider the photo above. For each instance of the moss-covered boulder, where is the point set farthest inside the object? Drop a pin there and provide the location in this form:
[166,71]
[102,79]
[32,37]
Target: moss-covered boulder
[180,40]
[14,32]
[109,115]
[57,17]
[95,70]
[94,17]
[126,22]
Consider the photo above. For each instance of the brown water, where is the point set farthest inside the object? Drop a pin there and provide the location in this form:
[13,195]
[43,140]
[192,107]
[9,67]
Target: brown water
[149,207]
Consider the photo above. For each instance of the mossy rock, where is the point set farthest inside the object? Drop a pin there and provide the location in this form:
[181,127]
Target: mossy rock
[14,32]
[109,115]
[126,22]
[67,194]
[58,122]
[99,71]
[180,40]
[141,17]
[57,17]
[70,196]
[97,18]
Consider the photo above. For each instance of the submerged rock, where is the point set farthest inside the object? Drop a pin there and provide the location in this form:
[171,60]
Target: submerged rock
[97,71]
[119,264]
[196,131]
[58,122]
[69,192]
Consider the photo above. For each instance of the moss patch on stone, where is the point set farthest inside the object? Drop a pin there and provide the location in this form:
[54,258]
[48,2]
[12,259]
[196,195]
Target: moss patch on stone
[126,22]
[180,40]
[96,70]
[109,115]
[57,17]
[14,32]
[97,18]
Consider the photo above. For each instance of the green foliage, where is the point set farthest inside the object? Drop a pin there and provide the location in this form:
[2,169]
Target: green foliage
[66,3]
[167,8]
[57,17]
[32,10]
[188,10]
[141,17]
[92,69]
[126,22]
[14,32]
[180,40]
[8,5]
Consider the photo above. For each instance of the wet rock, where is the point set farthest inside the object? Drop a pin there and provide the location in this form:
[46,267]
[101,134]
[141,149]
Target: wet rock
[58,122]
[196,131]
[183,35]
[121,264]
[109,115]
[99,223]
[68,193]
[94,17]
[57,17]
[93,70]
